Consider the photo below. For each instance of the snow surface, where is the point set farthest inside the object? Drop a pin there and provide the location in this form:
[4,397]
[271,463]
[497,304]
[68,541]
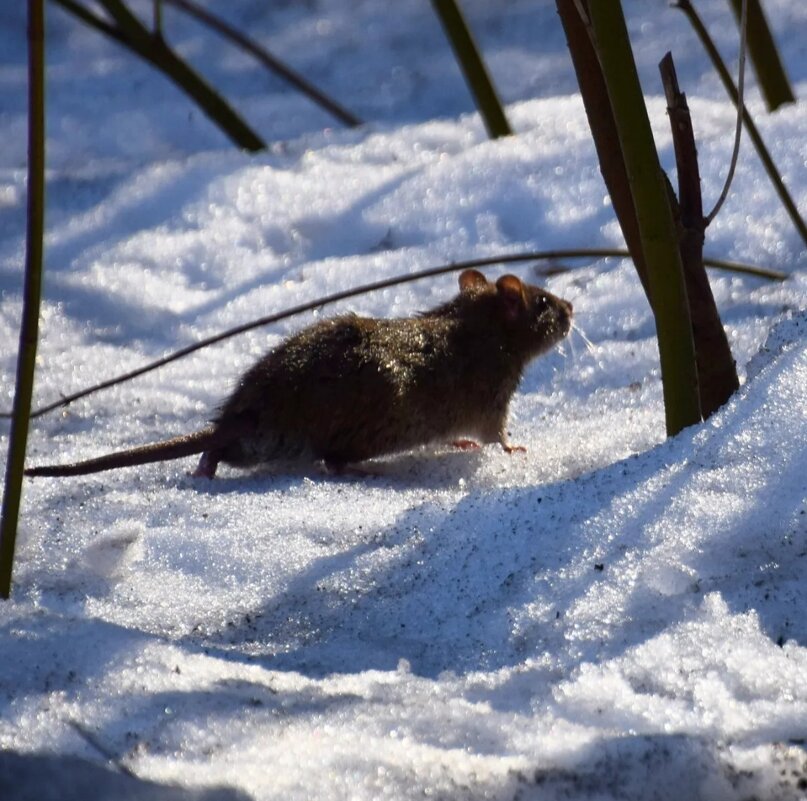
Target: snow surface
[613,615]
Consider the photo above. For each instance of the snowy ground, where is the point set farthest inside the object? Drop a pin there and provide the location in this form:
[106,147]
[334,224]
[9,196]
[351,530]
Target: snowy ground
[610,616]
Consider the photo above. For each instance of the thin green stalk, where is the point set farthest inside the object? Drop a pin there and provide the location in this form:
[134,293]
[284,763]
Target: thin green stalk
[29,328]
[773,82]
[473,68]
[750,127]
[654,215]
[600,114]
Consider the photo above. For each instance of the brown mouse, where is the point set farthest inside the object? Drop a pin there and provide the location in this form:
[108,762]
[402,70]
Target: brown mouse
[352,388]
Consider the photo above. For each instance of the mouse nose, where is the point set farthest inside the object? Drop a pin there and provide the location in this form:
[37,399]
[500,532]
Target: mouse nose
[568,307]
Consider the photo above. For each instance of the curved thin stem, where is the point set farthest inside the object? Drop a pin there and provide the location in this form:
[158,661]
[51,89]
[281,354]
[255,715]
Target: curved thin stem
[750,126]
[268,60]
[740,108]
[152,48]
[544,255]
[774,84]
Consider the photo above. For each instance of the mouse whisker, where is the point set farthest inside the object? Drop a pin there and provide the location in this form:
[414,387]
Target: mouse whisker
[590,346]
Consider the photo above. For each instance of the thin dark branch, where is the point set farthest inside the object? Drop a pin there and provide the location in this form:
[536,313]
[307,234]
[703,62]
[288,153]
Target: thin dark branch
[87,17]
[93,741]
[686,155]
[750,126]
[152,48]
[717,372]
[747,269]
[550,255]
[268,60]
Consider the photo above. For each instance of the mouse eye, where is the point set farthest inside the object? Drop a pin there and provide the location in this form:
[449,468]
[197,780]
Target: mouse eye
[540,303]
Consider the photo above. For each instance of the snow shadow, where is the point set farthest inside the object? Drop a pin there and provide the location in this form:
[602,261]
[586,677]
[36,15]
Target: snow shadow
[555,571]
[51,652]
[445,595]
[48,776]
[664,767]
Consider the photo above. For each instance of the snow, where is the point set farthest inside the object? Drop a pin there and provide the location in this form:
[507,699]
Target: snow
[612,615]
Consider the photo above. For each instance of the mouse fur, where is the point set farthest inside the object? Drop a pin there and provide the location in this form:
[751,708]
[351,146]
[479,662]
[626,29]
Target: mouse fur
[352,388]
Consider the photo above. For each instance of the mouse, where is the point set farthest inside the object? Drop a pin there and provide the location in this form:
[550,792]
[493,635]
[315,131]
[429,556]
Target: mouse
[351,388]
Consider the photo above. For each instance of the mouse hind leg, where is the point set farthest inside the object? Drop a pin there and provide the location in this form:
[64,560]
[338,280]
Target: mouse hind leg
[208,462]
[230,444]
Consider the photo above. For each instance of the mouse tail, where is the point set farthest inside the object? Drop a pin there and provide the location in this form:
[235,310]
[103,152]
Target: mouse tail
[176,448]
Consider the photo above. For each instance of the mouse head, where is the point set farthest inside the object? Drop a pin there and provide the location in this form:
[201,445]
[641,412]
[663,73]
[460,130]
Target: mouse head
[533,318]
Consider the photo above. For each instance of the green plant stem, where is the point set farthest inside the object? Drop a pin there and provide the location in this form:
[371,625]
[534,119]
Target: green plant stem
[473,68]
[750,126]
[773,82]
[318,303]
[268,60]
[29,328]
[654,215]
[600,115]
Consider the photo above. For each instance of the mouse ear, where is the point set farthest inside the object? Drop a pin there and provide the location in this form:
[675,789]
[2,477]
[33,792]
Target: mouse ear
[511,294]
[472,279]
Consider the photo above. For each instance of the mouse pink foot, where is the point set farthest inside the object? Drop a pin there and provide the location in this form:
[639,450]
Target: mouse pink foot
[514,449]
[465,444]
